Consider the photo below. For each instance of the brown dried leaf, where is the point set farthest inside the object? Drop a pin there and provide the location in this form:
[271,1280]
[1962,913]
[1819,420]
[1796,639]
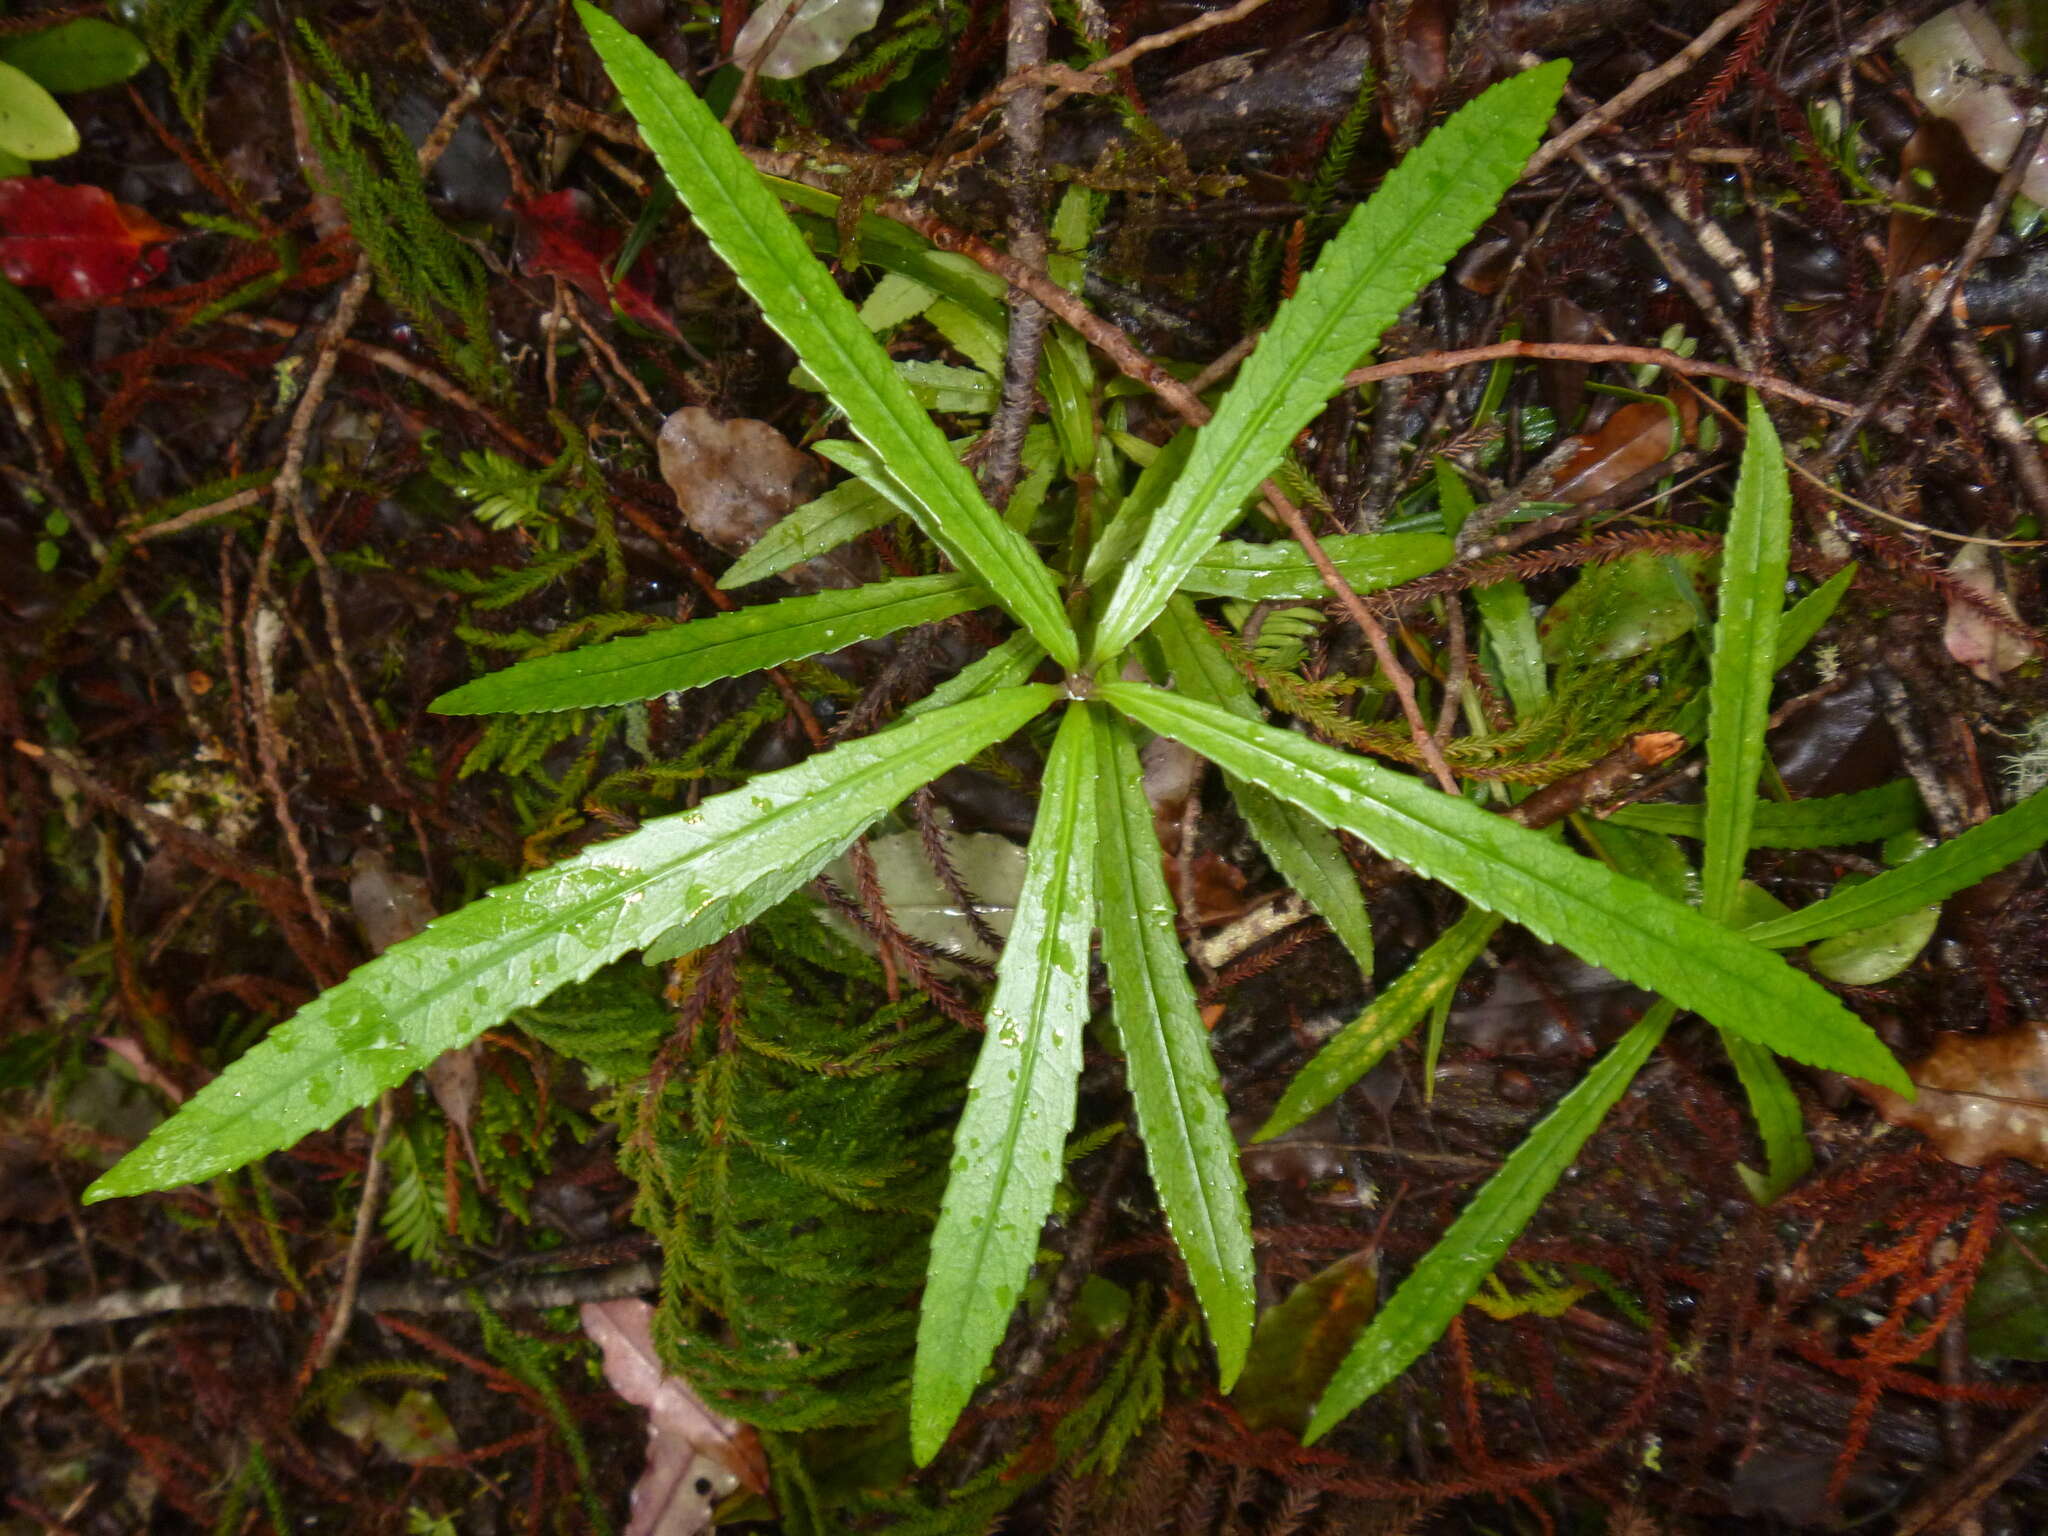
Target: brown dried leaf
[1986,648]
[695,1457]
[1981,1097]
[733,480]
[1637,437]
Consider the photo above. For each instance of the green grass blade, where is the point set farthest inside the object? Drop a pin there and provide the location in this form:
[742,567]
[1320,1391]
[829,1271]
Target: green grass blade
[1179,1099]
[1828,821]
[1020,1102]
[704,871]
[1388,1020]
[1450,1274]
[705,650]
[1269,572]
[1306,853]
[745,224]
[1745,658]
[1934,876]
[1532,880]
[1751,600]
[1391,247]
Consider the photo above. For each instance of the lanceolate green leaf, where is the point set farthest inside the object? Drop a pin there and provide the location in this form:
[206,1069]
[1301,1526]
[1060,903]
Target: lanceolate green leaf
[1751,599]
[1302,850]
[1745,659]
[1004,667]
[1436,1290]
[1802,621]
[700,873]
[1830,821]
[1530,879]
[1020,1102]
[1264,572]
[816,528]
[704,650]
[1392,246]
[1934,876]
[1780,1121]
[1388,1020]
[1181,1113]
[747,227]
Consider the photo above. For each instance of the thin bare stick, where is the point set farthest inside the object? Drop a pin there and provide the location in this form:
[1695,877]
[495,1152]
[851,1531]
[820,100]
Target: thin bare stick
[1645,84]
[1939,297]
[359,1243]
[284,495]
[1024,125]
[2022,448]
[404,367]
[1594,352]
[198,515]
[554,1288]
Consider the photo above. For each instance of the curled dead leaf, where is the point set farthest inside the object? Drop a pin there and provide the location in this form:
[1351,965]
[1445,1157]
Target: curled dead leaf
[695,1456]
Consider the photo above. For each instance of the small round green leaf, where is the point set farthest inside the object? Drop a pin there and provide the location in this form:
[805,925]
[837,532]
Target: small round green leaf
[81,55]
[32,125]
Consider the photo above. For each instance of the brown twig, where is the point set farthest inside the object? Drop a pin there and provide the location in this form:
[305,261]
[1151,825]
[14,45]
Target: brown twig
[1024,125]
[359,1242]
[1594,352]
[2022,448]
[551,1289]
[1956,1498]
[1642,86]
[1940,296]
[404,367]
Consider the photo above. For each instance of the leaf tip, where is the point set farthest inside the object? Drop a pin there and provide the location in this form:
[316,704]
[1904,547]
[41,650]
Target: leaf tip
[456,701]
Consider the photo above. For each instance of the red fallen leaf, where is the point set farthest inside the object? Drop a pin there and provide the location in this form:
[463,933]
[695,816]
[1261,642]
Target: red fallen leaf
[76,241]
[568,243]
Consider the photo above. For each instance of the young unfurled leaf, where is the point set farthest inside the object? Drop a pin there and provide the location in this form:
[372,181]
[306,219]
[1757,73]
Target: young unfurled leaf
[724,645]
[1527,877]
[1181,1113]
[32,125]
[1451,1273]
[1393,245]
[1020,1102]
[1751,600]
[690,878]
[748,228]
